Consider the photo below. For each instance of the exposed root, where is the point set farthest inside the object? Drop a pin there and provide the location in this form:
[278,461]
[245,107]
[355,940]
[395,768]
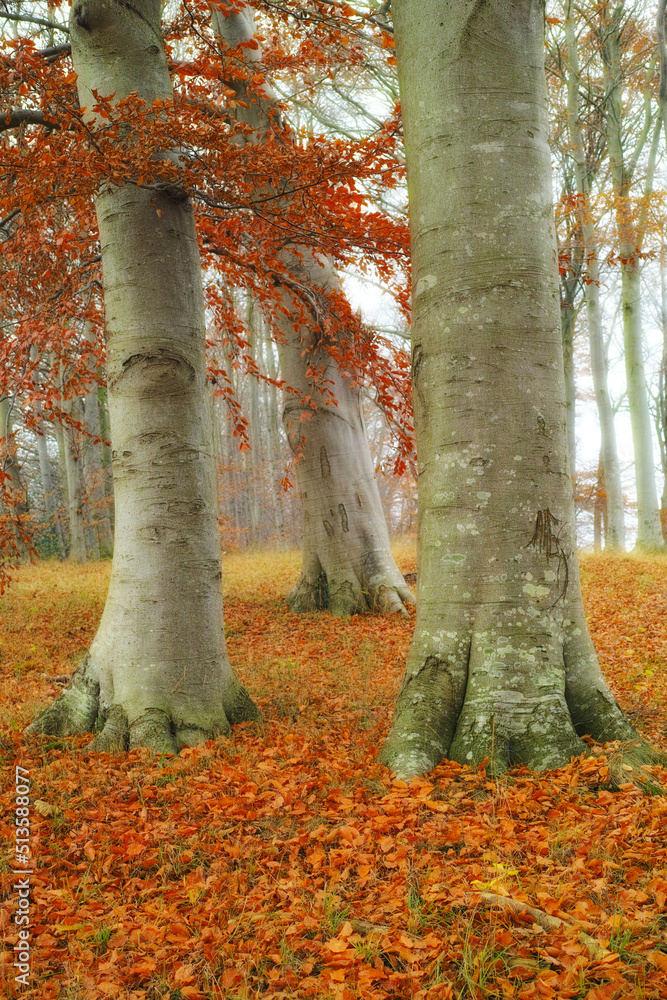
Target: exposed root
[115,736]
[348,596]
[545,920]
[74,711]
[153,730]
[79,710]
[309,595]
[239,707]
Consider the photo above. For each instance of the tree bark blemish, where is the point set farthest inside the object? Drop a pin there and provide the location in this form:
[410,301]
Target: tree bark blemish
[147,376]
[325,467]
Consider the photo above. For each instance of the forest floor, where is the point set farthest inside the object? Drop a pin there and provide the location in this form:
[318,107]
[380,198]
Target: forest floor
[285,862]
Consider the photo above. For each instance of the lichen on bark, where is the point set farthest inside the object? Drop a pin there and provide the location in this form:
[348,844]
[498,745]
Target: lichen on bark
[501,666]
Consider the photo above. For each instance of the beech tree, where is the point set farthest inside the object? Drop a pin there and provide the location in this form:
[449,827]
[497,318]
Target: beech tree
[617,30]
[501,665]
[157,673]
[348,566]
[583,175]
[13,499]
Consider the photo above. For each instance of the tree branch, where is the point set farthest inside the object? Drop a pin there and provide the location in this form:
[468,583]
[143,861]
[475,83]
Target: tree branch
[54,52]
[28,19]
[24,116]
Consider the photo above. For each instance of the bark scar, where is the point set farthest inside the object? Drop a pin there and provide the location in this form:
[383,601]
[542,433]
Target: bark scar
[471,22]
[546,540]
[128,6]
[325,467]
[79,15]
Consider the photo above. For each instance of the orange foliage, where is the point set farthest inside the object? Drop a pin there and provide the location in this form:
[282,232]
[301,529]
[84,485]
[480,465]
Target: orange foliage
[50,266]
[287,863]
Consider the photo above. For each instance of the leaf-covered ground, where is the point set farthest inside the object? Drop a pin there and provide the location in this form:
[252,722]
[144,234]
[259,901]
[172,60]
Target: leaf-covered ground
[286,863]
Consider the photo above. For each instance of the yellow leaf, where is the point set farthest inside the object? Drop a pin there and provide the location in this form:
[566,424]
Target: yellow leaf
[43,808]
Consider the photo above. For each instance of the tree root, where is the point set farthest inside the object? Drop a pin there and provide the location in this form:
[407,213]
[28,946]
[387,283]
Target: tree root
[546,921]
[78,710]
[115,736]
[75,711]
[346,597]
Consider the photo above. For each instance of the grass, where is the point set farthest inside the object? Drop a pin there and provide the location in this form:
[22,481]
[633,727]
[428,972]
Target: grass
[238,869]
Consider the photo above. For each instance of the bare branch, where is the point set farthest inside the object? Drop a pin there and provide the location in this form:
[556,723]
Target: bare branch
[25,116]
[54,52]
[29,19]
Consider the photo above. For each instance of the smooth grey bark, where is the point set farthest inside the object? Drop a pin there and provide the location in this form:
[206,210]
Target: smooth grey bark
[14,492]
[662,54]
[94,473]
[568,319]
[157,673]
[348,566]
[630,238]
[254,457]
[271,412]
[45,468]
[501,665]
[599,509]
[46,476]
[615,521]
[105,450]
[78,548]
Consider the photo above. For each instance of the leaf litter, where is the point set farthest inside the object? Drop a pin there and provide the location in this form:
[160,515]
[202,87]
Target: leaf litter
[285,862]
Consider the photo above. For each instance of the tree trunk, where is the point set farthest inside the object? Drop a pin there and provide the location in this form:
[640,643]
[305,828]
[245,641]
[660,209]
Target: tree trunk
[599,508]
[599,362]
[45,469]
[568,318]
[501,665]
[105,451]
[630,238]
[157,673]
[78,551]
[649,534]
[348,566]
[48,485]
[273,441]
[95,476]
[13,491]
[254,460]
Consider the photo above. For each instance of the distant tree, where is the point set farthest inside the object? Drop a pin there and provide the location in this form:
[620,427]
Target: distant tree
[501,665]
[348,566]
[13,496]
[582,149]
[617,31]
